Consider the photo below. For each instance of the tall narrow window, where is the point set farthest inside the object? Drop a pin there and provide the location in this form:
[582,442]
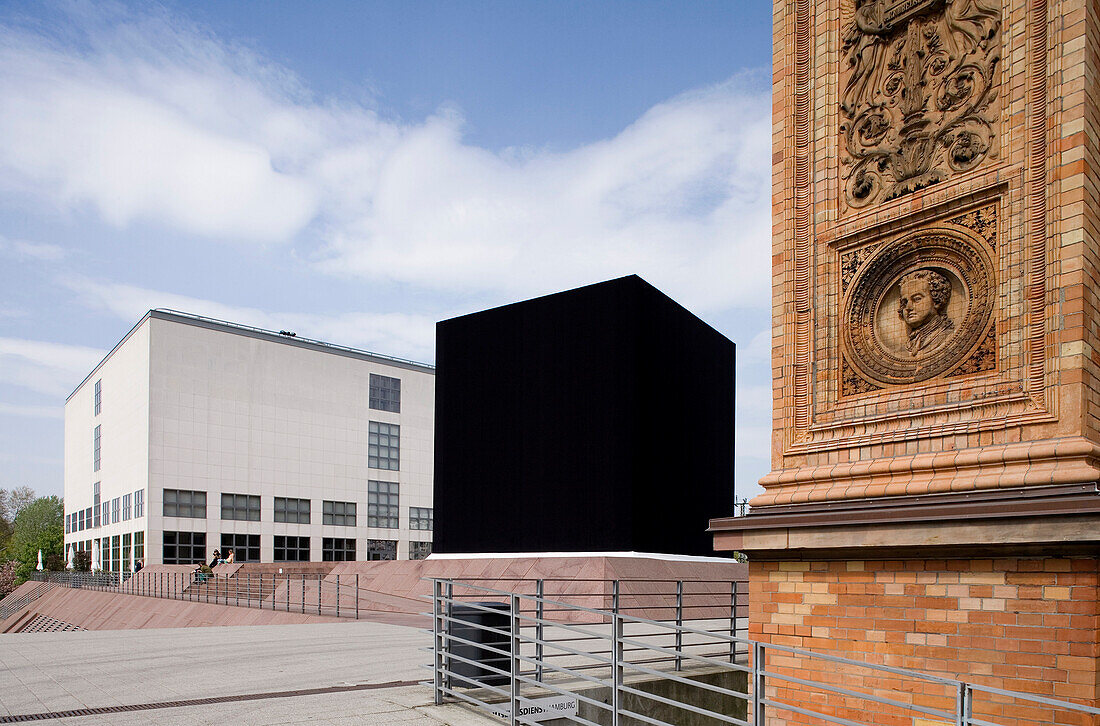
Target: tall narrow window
[116,509]
[95,449]
[98,396]
[139,503]
[126,558]
[383,446]
[385,393]
[95,504]
[127,500]
[139,546]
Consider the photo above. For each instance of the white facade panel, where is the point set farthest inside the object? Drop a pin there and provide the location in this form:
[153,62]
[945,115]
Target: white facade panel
[229,410]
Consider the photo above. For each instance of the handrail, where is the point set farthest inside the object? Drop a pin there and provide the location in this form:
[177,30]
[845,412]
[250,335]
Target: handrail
[623,648]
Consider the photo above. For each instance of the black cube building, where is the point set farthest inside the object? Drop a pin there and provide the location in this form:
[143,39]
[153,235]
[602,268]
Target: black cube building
[598,420]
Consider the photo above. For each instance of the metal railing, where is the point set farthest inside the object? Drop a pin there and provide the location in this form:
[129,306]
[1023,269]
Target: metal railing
[307,593]
[620,669]
[10,604]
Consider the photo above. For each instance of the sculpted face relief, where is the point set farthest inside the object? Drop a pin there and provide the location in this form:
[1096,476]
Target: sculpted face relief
[923,307]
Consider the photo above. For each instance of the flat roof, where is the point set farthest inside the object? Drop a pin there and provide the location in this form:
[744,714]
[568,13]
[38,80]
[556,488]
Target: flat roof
[282,337]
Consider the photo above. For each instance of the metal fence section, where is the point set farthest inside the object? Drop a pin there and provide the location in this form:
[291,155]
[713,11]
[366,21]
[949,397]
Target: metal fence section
[307,593]
[608,667]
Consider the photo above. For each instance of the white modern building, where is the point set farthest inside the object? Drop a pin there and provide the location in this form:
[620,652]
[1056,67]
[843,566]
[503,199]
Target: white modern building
[196,434]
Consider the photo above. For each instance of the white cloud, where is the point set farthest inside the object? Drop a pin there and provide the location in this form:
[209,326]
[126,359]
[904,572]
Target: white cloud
[23,249]
[396,334]
[53,369]
[156,121]
[9,409]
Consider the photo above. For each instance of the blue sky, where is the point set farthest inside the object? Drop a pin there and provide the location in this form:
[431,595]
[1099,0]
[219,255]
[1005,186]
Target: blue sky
[357,171]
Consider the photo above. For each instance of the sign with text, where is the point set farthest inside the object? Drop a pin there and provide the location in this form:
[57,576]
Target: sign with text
[539,709]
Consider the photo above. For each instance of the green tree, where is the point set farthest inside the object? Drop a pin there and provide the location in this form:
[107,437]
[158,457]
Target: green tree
[11,503]
[38,526]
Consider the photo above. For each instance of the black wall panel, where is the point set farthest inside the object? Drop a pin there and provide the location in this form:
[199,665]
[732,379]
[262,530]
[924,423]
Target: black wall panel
[598,419]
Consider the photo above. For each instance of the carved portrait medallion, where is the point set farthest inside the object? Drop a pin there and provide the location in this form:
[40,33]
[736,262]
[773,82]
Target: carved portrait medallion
[918,91]
[918,307]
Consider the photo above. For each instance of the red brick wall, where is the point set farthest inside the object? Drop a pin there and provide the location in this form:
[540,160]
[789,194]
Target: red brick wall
[1026,625]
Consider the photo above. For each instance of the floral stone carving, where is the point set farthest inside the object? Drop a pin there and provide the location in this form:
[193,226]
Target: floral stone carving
[919,82]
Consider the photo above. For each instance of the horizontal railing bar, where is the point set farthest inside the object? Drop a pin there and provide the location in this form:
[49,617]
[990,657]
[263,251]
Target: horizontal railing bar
[857,694]
[805,712]
[567,692]
[1069,705]
[675,704]
[870,666]
[688,682]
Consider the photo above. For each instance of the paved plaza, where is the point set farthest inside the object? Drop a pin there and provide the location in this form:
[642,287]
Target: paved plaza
[362,673]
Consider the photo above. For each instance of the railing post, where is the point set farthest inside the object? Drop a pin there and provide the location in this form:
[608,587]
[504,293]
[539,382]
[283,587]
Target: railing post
[617,663]
[337,595]
[733,620]
[437,634]
[758,684]
[615,596]
[318,593]
[964,704]
[356,595]
[679,624]
[514,664]
[540,593]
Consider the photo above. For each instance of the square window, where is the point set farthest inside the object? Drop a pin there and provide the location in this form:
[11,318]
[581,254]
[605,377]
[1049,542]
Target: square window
[294,511]
[383,446]
[420,518]
[381,549]
[184,548]
[341,514]
[382,504]
[336,549]
[243,507]
[246,547]
[184,503]
[419,550]
[385,393]
[291,549]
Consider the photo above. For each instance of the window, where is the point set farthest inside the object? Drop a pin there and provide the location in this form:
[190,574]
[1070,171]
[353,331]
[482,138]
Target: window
[335,549]
[68,523]
[106,513]
[88,518]
[342,514]
[116,559]
[105,554]
[382,504]
[291,549]
[184,503]
[420,518]
[116,508]
[98,395]
[184,548]
[95,504]
[419,550]
[127,500]
[292,510]
[127,563]
[244,507]
[139,546]
[246,547]
[385,393]
[381,549]
[95,449]
[139,503]
[383,446]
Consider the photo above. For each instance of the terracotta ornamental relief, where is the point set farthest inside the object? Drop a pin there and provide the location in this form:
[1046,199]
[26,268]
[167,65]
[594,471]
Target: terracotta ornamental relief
[921,305]
[918,92]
